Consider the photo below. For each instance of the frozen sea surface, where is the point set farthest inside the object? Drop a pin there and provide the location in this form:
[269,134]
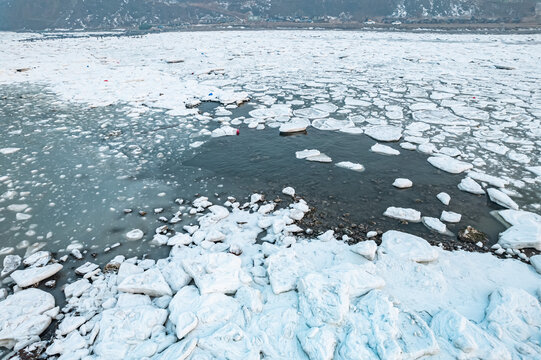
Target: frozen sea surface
[101,143]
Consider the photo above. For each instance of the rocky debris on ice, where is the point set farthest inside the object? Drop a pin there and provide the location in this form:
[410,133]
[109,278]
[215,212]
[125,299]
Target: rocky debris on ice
[450,216]
[403,214]
[469,185]
[34,275]
[472,235]
[350,165]
[24,316]
[449,164]
[501,198]
[402,183]
[444,198]
[384,132]
[384,149]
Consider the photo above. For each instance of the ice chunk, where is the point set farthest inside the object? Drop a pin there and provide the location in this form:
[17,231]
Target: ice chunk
[350,165]
[461,339]
[521,236]
[77,288]
[295,125]
[501,198]
[469,185]
[384,132]
[178,351]
[434,224]
[450,217]
[322,299]
[11,263]
[489,179]
[215,272]
[519,217]
[22,316]
[444,198]
[403,214]
[402,183]
[514,317]
[449,164]
[289,191]
[365,248]
[150,282]
[384,149]
[318,343]
[31,276]
[9,150]
[284,268]
[319,158]
[406,246]
[306,153]
[134,235]
[536,263]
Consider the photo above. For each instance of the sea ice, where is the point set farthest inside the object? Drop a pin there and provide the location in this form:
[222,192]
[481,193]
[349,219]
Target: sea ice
[384,132]
[402,183]
[501,198]
[31,276]
[469,185]
[450,217]
[403,214]
[444,198]
[449,164]
[384,149]
[350,165]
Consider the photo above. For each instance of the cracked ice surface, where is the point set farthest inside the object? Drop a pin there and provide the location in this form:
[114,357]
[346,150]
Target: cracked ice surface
[313,298]
[446,94]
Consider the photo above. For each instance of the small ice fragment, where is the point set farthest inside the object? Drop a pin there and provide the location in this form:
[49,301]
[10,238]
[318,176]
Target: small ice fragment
[402,183]
[350,165]
[366,249]
[384,149]
[444,198]
[449,164]
[434,224]
[384,132]
[450,217]
[289,191]
[502,199]
[134,235]
[319,158]
[403,214]
[469,185]
[306,153]
[31,276]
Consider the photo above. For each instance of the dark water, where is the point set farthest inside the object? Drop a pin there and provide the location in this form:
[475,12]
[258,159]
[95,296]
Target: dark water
[265,162]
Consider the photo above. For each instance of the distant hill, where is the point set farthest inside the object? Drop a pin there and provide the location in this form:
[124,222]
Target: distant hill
[108,14]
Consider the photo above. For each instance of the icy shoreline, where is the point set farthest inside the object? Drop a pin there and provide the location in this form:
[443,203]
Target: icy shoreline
[222,293]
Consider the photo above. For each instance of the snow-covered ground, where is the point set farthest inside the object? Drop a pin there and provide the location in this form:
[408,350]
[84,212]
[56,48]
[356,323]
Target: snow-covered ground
[290,294]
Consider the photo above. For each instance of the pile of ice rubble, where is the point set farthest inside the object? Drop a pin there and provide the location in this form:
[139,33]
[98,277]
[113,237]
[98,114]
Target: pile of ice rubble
[224,294]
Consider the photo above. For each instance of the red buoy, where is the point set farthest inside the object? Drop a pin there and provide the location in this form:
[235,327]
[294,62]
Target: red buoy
[238,131]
